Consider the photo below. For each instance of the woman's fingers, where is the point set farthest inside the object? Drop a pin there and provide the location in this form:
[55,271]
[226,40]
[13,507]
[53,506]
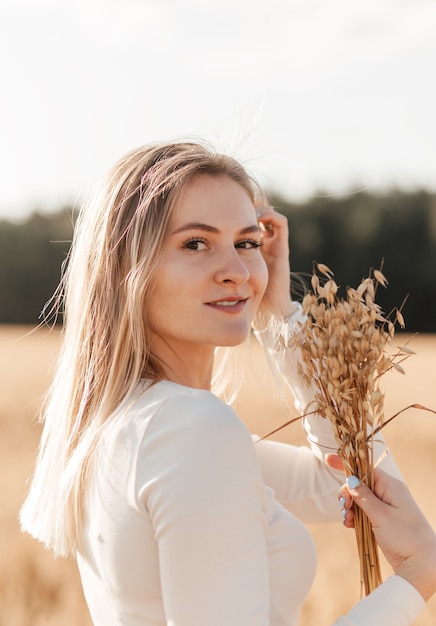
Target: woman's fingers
[334,461]
[272,224]
[345,500]
[400,528]
[389,494]
[346,504]
[275,251]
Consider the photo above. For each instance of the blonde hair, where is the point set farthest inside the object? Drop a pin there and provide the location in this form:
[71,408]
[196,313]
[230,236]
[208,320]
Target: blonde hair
[116,248]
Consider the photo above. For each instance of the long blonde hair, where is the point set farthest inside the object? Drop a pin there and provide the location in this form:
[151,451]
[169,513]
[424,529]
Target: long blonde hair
[116,248]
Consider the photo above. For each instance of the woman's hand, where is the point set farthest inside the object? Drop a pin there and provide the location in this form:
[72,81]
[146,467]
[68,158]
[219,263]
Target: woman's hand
[275,250]
[400,528]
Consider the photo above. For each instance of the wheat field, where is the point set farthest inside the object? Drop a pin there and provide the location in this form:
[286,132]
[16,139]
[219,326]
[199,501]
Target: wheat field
[37,590]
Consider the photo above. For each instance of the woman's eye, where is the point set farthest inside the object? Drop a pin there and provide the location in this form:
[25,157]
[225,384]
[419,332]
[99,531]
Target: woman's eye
[248,244]
[196,244]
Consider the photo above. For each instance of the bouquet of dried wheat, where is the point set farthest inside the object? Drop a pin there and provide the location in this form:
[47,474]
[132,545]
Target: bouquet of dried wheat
[346,349]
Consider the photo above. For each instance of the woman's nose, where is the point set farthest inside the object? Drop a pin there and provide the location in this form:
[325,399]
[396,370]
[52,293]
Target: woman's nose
[232,269]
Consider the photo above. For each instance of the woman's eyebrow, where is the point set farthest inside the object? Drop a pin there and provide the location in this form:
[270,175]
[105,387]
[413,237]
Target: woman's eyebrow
[253,228]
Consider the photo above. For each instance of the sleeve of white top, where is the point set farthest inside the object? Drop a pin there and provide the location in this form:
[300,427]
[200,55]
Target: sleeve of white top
[314,498]
[301,482]
[394,603]
[199,482]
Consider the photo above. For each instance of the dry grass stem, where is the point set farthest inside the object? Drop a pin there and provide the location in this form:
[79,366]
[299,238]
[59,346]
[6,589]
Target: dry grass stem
[346,349]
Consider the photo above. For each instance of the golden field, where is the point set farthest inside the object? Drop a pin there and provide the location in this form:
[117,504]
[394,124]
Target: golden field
[36,590]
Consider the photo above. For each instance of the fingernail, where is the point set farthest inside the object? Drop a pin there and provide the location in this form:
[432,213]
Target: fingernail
[342,501]
[259,214]
[353,482]
[344,515]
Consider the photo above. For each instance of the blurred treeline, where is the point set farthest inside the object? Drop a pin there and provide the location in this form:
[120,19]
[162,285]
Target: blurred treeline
[359,231]
[31,255]
[351,234]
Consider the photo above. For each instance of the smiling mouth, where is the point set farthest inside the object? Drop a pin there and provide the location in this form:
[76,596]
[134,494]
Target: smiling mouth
[228,302]
[230,305]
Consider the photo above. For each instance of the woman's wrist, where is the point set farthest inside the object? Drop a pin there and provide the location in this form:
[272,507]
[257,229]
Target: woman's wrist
[282,312]
[290,311]
[279,317]
[422,576]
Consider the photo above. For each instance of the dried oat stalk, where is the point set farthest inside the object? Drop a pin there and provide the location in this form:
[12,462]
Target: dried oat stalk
[346,349]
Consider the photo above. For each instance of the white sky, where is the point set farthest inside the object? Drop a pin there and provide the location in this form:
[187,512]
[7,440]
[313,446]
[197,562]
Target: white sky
[309,94]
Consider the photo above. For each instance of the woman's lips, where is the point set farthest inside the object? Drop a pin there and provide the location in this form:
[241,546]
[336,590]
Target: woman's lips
[229,305]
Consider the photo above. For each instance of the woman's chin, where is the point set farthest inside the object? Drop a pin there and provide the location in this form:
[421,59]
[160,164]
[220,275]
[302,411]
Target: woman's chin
[234,340]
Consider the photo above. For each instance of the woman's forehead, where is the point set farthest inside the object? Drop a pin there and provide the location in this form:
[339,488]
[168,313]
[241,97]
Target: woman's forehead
[208,195]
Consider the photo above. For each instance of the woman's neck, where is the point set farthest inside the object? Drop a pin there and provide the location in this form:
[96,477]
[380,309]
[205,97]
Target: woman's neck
[188,367]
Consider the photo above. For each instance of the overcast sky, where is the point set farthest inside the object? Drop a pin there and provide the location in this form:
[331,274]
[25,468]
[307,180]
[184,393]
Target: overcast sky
[310,94]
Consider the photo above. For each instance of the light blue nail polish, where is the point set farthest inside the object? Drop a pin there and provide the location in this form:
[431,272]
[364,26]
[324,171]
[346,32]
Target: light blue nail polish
[344,515]
[353,482]
[342,501]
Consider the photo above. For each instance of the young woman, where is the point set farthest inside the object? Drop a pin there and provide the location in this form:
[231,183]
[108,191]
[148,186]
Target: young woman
[175,515]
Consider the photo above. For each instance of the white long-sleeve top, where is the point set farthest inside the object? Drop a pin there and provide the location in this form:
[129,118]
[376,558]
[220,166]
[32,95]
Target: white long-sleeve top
[190,523]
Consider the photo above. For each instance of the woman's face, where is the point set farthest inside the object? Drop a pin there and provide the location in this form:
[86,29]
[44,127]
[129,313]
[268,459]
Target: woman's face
[212,276]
